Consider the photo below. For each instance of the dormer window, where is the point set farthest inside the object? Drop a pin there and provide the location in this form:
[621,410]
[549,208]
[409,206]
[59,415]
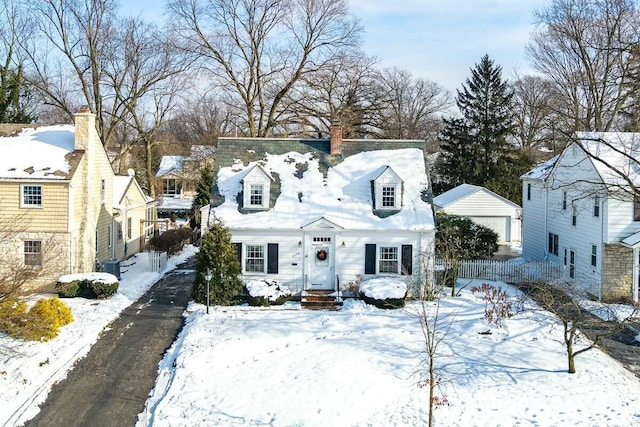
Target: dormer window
[256,188]
[388,197]
[256,195]
[387,190]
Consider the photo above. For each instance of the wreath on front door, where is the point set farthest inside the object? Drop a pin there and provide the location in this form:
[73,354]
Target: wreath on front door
[321,255]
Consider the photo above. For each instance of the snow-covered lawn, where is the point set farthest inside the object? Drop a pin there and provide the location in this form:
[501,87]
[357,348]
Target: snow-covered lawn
[284,366]
[29,369]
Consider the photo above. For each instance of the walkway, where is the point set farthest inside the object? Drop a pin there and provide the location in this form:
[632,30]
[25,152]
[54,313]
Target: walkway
[110,386]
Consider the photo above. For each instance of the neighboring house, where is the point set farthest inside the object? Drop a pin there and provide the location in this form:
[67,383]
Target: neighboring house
[484,207]
[324,214]
[579,212]
[57,189]
[179,177]
[134,215]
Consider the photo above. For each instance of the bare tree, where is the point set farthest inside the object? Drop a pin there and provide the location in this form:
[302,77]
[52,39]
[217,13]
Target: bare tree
[413,106]
[343,91]
[260,50]
[533,99]
[563,302]
[583,46]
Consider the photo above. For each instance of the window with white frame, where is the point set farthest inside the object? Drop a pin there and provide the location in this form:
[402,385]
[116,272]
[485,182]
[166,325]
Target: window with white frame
[129,227]
[32,254]
[388,260]
[572,264]
[574,214]
[388,196]
[103,191]
[528,191]
[596,206]
[31,196]
[254,259]
[564,200]
[594,255]
[171,187]
[256,195]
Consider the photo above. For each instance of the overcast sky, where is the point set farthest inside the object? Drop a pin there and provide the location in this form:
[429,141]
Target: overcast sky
[440,40]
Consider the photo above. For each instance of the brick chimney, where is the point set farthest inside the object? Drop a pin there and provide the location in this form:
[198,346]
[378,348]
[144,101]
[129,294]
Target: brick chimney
[85,128]
[336,137]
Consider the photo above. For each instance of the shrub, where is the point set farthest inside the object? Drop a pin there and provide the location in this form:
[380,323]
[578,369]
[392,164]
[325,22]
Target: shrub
[497,306]
[90,285]
[384,292]
[41,323]
[217,255]
[263,293]
[171,241]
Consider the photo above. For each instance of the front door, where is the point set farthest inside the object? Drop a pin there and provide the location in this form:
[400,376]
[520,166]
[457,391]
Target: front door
[321,263]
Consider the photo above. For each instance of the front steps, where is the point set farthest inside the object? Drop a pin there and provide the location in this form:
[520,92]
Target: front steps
[321,300]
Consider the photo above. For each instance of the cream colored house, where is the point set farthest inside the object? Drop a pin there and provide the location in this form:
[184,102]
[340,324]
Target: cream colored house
[179,176]
[62,209]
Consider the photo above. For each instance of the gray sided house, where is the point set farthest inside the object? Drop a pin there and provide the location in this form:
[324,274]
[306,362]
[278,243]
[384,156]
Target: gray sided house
[325,214]
[580,212]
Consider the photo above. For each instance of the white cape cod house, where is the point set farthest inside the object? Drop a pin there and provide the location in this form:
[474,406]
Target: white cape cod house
[579,211]
[323,214]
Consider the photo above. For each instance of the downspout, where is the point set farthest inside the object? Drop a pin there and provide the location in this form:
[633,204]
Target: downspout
[70,228]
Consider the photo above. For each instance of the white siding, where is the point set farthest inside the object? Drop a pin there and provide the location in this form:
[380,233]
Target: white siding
[534,232]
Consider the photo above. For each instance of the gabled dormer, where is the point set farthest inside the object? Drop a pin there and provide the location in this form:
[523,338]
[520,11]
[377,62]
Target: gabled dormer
[387,192]
[256,189]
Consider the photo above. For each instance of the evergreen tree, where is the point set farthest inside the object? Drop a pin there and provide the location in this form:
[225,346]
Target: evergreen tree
[476,147]
[203,195]
[13,91]
[218,256]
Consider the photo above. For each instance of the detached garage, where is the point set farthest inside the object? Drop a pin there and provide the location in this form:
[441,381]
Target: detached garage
[484,207]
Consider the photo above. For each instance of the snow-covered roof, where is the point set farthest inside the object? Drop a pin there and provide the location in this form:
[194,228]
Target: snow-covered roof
[170,165]
[465,190]
[342,197]
[120,185]
[615,155]
[37,153]
[542,170]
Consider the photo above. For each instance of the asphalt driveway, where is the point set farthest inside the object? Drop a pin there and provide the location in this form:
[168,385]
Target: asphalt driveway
[110,386]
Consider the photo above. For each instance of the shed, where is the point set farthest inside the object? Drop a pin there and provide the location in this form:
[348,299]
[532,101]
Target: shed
[484,207]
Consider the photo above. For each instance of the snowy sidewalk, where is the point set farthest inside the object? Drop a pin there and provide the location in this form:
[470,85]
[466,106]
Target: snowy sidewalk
[110,386]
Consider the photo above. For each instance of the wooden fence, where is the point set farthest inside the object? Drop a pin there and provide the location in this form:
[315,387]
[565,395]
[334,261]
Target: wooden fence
[508,271]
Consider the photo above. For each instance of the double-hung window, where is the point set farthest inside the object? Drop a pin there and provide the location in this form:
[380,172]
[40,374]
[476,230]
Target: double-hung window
[594,255]
[388,261]
[254,259]
[596,206]
[256,195]
[31,196]
[388,197]
[553,243]
[33,253]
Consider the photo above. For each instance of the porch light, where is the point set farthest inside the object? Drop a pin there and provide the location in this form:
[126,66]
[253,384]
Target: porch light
[343,244]
[299,243]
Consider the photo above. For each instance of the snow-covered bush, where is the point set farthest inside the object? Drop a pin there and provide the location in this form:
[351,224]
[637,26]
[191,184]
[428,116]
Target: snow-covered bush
[384,292]
[87,285]
[266,292]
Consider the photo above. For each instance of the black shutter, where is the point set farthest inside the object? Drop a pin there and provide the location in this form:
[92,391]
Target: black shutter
[239,253]
[272,258]
[369,258]
[407,260]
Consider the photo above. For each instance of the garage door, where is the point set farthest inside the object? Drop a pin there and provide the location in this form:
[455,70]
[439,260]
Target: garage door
[499,224]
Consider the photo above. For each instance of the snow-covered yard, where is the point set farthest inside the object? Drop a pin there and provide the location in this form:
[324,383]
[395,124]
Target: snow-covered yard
[284,366]
[29,369]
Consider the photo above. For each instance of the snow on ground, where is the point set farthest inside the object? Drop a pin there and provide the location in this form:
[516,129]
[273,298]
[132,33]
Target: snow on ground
[29,369]
[241,366]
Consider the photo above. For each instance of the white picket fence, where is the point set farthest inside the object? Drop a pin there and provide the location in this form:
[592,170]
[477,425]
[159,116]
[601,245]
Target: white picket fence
[157,261]
[507,271]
